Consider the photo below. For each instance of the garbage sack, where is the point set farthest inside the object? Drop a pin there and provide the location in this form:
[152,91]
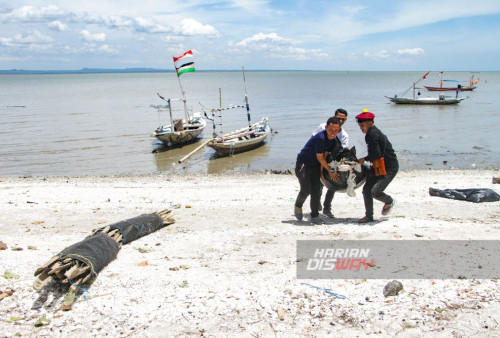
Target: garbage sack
[95,251]
[472,195]
[81,261]
[137,227]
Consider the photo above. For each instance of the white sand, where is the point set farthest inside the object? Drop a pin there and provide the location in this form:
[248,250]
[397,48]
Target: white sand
[227,266]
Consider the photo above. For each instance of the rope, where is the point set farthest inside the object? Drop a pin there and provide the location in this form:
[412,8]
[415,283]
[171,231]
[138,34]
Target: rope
[84,291]
[326,290]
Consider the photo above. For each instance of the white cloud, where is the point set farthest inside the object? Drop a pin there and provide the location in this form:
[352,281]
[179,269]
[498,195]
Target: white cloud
[259,7]
[411,51]
[87,36]
[276,46]
[262,41]
[351,22]
[382,54]
[193,27]
[57,26]
[107,49]
[26,40]
[150,26]
[33,14]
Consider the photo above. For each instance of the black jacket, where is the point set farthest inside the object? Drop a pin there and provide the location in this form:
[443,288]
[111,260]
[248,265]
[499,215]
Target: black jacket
[379,146]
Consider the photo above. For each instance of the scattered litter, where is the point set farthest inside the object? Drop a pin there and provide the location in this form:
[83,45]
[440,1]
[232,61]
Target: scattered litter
[326,290]
[470,195]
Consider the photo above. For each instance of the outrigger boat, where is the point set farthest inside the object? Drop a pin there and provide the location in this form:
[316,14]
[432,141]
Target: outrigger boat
[416,99]
[459,87]
[185,130]
[243,139]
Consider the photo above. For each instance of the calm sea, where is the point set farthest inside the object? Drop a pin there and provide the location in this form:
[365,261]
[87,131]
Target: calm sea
[101,124]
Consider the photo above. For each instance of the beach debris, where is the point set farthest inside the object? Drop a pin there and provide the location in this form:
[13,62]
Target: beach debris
[6,293]
[10,275]
[42,322]
[281,313]
[392,288]
[495,180]
[476,195]
[79,263]
[328,291]
[3,246]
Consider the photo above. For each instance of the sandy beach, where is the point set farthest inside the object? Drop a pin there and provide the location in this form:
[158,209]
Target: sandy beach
[227,267]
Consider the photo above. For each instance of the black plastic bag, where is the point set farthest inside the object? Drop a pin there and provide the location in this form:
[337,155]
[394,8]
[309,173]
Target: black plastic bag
[471,195]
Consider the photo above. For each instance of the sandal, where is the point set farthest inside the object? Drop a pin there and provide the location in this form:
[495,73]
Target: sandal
[387,209]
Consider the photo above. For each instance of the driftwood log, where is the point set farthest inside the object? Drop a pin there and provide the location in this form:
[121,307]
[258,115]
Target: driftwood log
[80,262]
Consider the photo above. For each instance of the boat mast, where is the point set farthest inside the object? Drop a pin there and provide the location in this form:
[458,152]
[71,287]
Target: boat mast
[171,119]
[183,98]
[246,99]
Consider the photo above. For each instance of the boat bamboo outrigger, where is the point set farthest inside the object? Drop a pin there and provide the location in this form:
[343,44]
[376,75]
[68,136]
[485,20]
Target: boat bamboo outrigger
[470,87]
[416,99]
[243,139]
[179,130]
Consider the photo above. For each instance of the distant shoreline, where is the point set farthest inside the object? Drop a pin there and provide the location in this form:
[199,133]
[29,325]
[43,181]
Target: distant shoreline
[156,70]
[131,70]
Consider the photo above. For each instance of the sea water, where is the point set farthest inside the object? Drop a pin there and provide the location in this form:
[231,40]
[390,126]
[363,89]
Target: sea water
[102,124]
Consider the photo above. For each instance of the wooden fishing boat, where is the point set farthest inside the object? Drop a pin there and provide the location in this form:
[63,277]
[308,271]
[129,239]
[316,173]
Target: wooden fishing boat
[242,139]
[459,87]
[179,131]
[182,130]
[443,89]
[417,99]
[441,99]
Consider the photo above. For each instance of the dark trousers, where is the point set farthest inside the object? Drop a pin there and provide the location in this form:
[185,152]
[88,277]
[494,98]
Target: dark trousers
[309,180]
[374,188]
[327,203]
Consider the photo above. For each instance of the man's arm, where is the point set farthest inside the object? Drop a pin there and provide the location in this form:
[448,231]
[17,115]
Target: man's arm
[322,160]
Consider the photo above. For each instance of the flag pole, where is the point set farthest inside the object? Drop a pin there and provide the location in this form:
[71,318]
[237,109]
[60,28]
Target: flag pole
[182,91]
[413,86]
[246,99]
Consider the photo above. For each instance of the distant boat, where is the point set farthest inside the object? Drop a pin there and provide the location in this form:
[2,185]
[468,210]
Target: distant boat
[459,87]
[243,139]
[441,99]
[185,130]
[416,99]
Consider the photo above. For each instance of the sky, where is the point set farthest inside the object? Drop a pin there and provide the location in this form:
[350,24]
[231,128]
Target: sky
[373,35]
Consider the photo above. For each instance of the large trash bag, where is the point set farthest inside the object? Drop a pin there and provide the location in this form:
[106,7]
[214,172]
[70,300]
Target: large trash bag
[137,227]
[477,195]
[95,251]
[352,175]
[81,261]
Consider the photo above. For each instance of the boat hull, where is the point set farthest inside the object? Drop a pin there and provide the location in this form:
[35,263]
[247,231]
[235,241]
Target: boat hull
[242,140]
[190,132]
[426,100]
[444,89]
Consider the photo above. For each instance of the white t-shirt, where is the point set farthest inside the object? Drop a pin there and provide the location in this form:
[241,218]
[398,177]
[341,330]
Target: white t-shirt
[342,136]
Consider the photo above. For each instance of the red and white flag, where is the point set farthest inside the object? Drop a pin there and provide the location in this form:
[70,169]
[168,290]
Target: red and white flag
[187,54]
[185,67]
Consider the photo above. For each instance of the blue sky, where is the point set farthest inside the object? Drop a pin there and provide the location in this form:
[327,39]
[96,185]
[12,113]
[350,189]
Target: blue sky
[258,34]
